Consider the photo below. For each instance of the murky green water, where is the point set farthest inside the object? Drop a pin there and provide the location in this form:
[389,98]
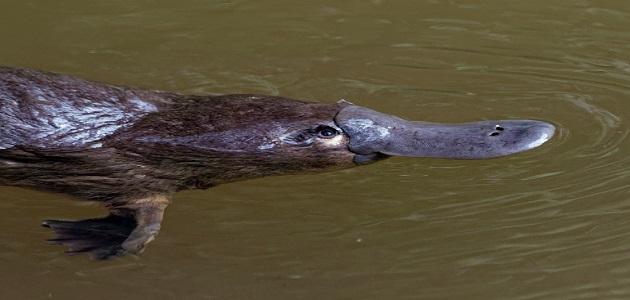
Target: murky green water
[549,224]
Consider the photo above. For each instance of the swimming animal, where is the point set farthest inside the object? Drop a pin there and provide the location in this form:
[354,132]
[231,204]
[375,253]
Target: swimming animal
[130,148]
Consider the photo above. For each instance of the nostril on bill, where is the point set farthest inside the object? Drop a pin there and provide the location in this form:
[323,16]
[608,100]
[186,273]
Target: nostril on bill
[497,130]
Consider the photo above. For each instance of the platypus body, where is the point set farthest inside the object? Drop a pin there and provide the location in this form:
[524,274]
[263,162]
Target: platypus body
[131,148]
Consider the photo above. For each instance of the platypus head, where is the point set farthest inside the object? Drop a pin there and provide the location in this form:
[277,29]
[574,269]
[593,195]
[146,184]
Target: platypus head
[365,136]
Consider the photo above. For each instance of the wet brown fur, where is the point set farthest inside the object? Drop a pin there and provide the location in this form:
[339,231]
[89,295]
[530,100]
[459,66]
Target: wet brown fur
[190,142]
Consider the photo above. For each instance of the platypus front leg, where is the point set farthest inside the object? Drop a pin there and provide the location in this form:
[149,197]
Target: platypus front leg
[128,229]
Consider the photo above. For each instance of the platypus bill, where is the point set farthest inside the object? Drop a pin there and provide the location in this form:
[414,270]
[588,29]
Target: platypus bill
[131,148]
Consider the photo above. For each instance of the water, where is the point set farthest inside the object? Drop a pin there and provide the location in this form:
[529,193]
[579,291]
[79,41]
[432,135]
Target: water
[548,224]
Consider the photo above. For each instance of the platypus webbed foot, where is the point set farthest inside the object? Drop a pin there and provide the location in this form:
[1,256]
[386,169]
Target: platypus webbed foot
[127,230]
[102,238]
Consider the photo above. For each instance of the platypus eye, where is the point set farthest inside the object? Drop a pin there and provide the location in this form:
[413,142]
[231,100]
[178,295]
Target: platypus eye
[326,132]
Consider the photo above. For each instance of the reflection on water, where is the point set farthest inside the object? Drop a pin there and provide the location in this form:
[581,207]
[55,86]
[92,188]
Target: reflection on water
[548,224]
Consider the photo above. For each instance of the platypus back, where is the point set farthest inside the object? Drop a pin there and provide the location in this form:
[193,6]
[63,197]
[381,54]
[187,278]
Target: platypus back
[54,111]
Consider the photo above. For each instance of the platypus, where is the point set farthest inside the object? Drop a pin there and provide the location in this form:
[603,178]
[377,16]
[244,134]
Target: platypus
[131,149]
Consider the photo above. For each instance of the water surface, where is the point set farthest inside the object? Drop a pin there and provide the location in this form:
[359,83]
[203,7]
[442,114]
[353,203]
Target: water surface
[548,224]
